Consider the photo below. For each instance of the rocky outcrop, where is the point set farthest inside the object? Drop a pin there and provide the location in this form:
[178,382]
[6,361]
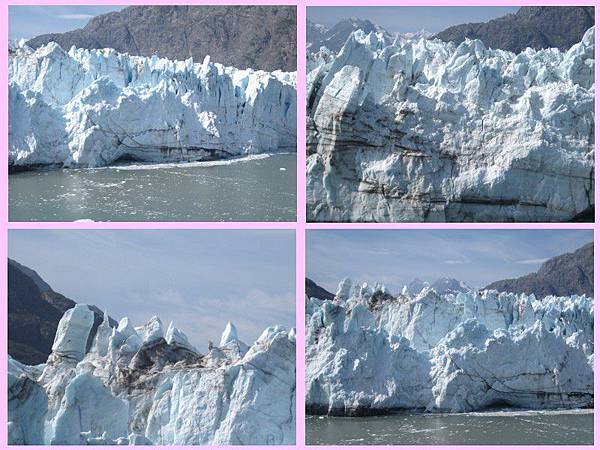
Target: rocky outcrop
[312,289]
[91,108]
[368,352]
[429,131]
[571,273]
[260,37]
[144,386]
[532,26]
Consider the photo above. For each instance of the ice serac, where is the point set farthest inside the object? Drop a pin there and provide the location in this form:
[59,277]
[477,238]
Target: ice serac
[72,333]
[369,352]
[143,386]
[90,108]
[423,130]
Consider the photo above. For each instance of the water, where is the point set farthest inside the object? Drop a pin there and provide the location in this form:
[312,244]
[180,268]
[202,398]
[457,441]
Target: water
[575,427]
[248,189]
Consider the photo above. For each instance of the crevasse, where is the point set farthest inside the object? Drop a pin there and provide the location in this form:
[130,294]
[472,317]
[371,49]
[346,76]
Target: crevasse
[89,108]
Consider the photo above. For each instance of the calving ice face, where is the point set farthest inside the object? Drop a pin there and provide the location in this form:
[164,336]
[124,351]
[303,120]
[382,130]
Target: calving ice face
[90,108]
[147,385]
[454,127]
[369,352]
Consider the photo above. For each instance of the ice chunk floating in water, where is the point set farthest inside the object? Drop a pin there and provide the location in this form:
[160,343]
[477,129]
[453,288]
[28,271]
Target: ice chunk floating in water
[89,108]
[368,352]
[149,385]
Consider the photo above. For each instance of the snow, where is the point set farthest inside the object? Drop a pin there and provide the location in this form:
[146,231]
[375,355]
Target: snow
[140,386]
[423,130]
[369,352]
[90,108]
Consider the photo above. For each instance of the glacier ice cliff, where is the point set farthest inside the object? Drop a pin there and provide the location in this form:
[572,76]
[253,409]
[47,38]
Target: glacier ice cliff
[424,130]
[89,108]
[146,385]
[369,352]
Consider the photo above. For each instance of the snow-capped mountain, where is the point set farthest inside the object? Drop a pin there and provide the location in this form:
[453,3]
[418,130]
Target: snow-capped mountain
[430,131]
[149,385]
[368,352]
[334,38]
[442,286]
[85,108]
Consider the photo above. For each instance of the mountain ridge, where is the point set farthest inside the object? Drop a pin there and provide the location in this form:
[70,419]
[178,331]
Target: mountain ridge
[258,37]
[563,275]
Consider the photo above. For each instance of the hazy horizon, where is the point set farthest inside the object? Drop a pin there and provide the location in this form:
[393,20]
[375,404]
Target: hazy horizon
[396,257]
[199,279]
[30,21]
[408,18]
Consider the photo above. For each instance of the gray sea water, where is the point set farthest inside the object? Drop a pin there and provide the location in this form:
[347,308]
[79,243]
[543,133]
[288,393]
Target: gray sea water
[258,188]
[573,427]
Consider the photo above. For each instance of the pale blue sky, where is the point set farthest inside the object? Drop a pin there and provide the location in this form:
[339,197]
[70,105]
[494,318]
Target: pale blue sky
[30,21]
[409,18]
[395,257]
[200,279]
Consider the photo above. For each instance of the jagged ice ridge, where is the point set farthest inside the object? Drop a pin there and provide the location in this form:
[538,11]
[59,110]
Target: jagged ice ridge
[90,108]
[369,352]
[148,385]
[423,130]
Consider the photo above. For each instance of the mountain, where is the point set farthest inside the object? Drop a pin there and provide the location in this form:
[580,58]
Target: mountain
[258,37]
[34,311]
[443,286]
[334,38]
[532,26]
[450,286]
[568,274]
[312,289]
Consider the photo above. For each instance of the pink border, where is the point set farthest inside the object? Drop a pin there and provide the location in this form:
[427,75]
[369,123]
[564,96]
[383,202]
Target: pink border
[300,226]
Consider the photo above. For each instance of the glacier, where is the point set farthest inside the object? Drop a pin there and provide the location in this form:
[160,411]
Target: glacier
[91,108]
[369,352]
[147,385]
[426,131]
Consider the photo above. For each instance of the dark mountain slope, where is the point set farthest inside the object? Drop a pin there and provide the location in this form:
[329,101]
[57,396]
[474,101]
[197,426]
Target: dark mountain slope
[260,37]
[532,26]
[568,274]
[312,289]
[34,311]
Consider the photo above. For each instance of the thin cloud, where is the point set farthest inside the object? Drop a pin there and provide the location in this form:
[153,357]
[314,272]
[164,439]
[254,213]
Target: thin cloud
[455,261]
[532,261]
[75,16]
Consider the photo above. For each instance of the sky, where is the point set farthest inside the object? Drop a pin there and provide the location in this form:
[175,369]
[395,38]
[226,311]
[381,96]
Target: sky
[396,257]
[409,18]
[199,279]
[30,21]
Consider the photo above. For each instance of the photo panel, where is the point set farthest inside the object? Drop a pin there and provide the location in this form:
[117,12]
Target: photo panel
[449,337]
[151,337]
[152,113]
[450,114]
